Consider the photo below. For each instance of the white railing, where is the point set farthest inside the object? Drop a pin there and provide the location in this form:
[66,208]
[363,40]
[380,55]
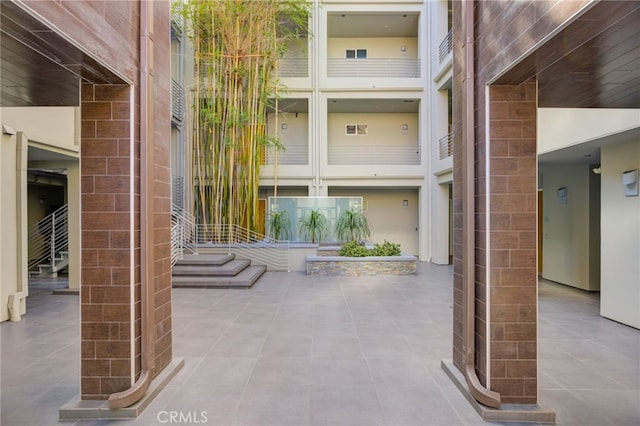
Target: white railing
[374,67]
[245,243]
[48,238]
[445,146]
[359,154]
[445,46]
[189,237]
[183,234]
[293,67]
[291,156]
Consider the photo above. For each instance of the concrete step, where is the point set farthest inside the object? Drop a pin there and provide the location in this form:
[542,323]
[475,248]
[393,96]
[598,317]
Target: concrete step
[231,268]
[206,259]
[244,279]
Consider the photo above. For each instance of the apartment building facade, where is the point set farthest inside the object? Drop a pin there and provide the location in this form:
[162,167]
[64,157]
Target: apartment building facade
[361,116]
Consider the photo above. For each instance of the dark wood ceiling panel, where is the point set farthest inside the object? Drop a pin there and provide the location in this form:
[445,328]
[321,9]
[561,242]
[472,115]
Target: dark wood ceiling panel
[593,63]
[40,67]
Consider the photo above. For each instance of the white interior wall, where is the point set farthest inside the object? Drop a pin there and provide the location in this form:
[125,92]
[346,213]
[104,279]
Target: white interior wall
[620,264]
[566,227]
[388,217]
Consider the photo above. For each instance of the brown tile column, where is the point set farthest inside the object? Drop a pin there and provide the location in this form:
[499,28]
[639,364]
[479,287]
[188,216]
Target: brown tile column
[512,242]
[108,274]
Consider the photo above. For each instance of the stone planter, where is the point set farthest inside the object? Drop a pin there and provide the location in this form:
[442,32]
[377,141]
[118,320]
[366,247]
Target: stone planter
[354,266]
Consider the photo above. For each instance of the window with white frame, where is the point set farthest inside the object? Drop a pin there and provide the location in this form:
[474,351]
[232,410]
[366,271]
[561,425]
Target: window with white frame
[355,129]
[356,54]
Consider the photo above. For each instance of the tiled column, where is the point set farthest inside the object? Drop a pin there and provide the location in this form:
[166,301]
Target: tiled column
[109,271]
[512,242]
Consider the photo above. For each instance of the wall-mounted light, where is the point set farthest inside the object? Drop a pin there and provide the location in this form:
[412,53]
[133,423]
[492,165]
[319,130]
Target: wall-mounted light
[283,127]
[630,183]
[405,203]
[563,194]
[596,170]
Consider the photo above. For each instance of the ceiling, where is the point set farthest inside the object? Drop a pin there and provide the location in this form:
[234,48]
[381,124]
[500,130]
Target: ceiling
[350,24]
[38,66]
[593,63]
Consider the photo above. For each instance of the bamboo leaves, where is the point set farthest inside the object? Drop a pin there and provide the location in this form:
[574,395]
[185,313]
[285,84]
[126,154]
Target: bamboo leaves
[236,44]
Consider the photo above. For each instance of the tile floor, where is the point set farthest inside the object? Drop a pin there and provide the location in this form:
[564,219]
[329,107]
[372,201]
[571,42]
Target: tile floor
[298,350]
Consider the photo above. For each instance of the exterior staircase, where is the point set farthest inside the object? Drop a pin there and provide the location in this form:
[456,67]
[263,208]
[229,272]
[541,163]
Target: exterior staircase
[215,271]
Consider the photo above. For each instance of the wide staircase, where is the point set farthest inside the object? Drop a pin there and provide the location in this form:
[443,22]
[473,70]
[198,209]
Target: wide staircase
[215,271]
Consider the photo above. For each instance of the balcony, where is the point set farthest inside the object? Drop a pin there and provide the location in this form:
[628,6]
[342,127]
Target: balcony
[359,154]
[374,67]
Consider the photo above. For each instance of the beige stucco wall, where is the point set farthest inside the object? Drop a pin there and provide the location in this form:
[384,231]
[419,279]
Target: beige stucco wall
[53,127]
[377,47]
[387,215]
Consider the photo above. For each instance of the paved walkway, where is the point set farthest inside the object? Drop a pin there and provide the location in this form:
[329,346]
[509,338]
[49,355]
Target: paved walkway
[298,350]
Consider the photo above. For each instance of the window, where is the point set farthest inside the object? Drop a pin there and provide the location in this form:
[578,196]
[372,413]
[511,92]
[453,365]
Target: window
[355,129]
[356,54]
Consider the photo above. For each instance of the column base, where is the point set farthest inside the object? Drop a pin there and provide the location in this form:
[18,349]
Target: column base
[528,413]
[77,409]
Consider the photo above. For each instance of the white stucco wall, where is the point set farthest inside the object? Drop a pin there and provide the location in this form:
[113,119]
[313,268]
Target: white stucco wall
[563,127]
[620,273]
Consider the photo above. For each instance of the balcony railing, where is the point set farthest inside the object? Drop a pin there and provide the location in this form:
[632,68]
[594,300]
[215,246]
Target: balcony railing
[445,46]
[374,67]
[359,154]
[445,146]
[177,101]
[293,155]
[293,67]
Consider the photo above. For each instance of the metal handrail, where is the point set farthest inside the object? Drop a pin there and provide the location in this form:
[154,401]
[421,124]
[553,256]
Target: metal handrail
[183,233]
[374,67]
[363,154]
[49,238]
[245,243]
[445,46]
[445,146]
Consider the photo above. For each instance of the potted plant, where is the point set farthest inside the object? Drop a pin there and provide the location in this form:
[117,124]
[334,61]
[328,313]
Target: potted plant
[279,225]
[352,225]
[314,225]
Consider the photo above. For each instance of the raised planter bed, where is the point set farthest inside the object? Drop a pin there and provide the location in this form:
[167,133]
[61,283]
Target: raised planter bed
[353,266]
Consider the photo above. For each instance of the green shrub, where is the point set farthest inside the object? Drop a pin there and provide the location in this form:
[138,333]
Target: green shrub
[386,249]
[353,249]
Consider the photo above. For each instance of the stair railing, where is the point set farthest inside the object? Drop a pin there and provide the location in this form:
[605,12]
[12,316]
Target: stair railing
[184,234]
[245,243]
[48,238]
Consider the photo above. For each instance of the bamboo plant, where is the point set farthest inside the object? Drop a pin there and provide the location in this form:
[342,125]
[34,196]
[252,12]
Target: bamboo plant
[237,44]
